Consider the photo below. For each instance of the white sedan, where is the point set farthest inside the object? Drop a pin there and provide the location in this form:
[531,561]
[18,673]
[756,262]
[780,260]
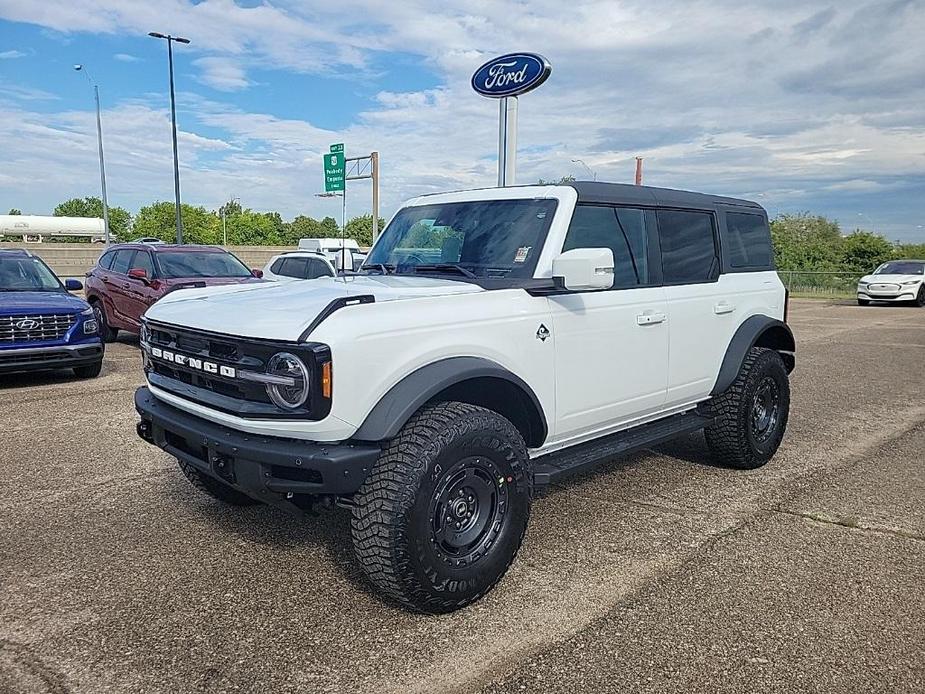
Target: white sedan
[298,265]
[897,280]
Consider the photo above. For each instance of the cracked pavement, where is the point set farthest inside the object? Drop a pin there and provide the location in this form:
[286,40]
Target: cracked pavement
[659,572]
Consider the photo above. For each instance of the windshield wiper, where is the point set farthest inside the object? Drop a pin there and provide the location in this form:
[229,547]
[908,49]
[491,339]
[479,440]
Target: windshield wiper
[442,267]
[381,267]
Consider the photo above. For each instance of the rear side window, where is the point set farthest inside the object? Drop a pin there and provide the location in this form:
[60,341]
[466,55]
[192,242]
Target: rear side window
[120,262]
[688,246]
[749,240]
[293,267]
[620,229]
[276,267]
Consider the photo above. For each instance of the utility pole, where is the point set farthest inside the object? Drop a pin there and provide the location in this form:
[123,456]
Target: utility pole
[374,159]
[173,120]
[359,168]
[99,139]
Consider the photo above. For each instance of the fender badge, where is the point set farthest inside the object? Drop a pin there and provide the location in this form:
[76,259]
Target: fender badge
[542,333]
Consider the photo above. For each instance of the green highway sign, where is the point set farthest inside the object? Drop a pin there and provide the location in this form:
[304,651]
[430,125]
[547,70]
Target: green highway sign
[338,147]
[334,170]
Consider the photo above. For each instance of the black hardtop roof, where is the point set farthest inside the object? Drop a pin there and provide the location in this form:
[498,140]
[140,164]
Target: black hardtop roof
[625,193]
[15,251]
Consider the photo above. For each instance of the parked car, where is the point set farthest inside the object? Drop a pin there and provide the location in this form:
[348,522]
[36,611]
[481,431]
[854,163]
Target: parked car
[499,340]
[897,280]
[129,278]
[302,265]
[42,326]
[344,254]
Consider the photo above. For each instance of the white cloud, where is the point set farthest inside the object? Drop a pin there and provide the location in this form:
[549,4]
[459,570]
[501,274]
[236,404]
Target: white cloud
[224,74]
[126,58]
[10,55]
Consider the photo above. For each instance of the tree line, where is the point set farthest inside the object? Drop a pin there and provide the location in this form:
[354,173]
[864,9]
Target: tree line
[241,226]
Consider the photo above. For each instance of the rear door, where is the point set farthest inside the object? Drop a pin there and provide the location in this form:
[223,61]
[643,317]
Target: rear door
[116,283]
[611,345]
[702,303]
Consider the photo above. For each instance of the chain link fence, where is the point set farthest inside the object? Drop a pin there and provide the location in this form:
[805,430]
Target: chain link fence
[830,284]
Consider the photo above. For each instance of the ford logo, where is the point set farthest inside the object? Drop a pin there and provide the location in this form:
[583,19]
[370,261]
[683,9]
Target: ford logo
[511,74]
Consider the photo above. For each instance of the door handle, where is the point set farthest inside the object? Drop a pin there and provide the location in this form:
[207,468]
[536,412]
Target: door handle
[723,307]
[650,318]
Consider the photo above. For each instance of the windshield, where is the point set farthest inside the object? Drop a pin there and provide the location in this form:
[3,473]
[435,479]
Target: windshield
[489,238]
[174,264]
[27,274]
[901,267]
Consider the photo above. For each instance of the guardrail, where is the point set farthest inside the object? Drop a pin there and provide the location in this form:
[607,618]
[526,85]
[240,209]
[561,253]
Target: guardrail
[823,284]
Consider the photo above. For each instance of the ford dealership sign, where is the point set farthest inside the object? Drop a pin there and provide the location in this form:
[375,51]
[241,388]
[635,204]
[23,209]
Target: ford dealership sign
[511,74]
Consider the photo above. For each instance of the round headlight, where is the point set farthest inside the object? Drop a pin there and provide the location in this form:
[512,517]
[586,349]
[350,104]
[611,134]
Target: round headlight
[291,390]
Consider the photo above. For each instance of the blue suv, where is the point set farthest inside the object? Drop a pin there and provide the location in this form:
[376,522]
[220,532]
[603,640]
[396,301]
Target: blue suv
[42,326]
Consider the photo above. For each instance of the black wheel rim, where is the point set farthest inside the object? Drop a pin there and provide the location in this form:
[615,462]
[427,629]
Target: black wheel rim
[468,510]
[765,409]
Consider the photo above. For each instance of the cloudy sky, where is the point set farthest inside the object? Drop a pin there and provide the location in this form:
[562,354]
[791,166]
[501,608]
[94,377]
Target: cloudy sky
[801,105]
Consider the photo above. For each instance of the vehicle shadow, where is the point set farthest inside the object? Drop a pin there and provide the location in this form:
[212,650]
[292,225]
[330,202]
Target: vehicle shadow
[29,379]
[327,529]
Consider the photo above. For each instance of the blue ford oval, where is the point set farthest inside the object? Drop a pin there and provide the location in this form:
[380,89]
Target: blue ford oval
[511,74]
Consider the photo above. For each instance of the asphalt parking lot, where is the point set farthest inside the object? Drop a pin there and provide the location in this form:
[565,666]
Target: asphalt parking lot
[658,573]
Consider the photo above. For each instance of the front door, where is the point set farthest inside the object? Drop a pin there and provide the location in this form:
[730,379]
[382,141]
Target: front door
[611,345]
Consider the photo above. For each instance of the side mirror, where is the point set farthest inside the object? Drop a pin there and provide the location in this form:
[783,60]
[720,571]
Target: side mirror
[257,273]
[584,268]
[73,285]
[138,273]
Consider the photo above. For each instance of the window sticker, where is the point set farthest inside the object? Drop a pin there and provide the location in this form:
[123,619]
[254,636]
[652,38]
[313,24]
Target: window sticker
[522,253]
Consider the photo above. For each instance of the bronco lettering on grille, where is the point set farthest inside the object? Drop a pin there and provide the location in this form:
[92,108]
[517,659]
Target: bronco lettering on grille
[193,363]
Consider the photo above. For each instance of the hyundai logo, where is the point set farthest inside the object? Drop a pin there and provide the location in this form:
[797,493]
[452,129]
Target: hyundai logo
[27,324]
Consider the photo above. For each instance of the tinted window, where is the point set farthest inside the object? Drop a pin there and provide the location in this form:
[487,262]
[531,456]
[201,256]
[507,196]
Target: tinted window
[293,267]
[901,267]
[317,269]
[688,246]
[143,261]
[23,273]
[622,230]
[749,240]
[121,261]
[200,264]
[106,260]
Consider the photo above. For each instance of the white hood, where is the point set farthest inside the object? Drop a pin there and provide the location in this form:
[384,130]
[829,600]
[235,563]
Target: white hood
[891,279]
[283,310]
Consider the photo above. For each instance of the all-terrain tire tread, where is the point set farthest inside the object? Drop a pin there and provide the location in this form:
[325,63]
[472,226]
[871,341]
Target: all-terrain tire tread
[388,495]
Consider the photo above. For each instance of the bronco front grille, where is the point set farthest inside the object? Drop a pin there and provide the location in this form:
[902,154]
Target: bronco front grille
[33,328]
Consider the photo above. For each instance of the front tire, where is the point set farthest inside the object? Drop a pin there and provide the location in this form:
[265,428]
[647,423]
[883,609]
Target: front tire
[920,297]
[443,512]
[107,333]
[212,487]
[751,416]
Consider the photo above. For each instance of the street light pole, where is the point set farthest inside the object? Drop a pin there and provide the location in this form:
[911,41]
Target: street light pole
[99,139]
[588,168]
[173,120]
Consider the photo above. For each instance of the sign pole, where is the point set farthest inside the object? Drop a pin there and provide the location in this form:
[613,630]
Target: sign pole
[374,172]
[507,141]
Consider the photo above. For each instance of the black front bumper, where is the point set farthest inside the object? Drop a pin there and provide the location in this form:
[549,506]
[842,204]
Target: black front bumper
[47,358]
[268,468]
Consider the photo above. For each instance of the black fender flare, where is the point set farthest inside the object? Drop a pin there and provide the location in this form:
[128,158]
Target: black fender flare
[759,330]
[407,396]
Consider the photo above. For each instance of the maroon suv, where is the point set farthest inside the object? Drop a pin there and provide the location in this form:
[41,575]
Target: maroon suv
[130,277]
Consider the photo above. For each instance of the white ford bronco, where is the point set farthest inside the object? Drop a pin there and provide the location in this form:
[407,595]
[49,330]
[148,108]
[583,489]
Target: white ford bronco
[494,342]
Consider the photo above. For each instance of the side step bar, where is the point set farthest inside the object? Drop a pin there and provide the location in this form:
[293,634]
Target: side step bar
[570,461]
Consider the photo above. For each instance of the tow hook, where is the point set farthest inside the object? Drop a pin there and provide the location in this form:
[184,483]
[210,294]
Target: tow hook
[144,430]
[222,466]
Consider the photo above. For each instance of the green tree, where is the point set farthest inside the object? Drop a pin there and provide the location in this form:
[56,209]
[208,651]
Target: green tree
[120,221]
[329,228]
[806,242]
[911,250]
[249,228]
[361,229]
[301,227]
[159,220]
[565,179]
[14,211]
[863,251]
